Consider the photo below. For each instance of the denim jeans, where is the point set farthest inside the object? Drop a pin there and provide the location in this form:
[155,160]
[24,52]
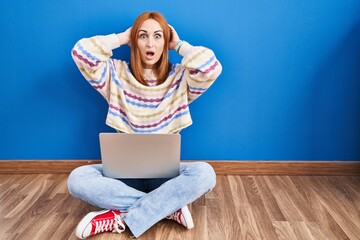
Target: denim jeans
[146,201]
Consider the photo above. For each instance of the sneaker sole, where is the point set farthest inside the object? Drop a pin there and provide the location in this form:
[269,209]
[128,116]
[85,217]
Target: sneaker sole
[187,217]
[86,221]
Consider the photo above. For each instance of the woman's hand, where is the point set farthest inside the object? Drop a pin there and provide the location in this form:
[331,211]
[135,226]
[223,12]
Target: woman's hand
[124,37]
[174,39]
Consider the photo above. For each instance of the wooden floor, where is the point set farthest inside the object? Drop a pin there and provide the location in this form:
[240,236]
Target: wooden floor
[240,207]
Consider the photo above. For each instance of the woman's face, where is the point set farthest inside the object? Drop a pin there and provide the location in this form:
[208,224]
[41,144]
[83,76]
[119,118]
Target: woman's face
[150,43]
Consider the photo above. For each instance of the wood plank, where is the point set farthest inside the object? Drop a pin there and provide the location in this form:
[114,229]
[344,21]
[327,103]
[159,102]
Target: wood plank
[339,207]
[302,231]
[293,208]
[263,221]
[199,214]
[284,230]
[269,200]
[247,221]
[344,168]
[318,232]
[322,216]
[222,219]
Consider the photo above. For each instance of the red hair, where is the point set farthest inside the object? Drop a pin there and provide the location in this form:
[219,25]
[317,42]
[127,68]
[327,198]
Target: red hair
[162,67]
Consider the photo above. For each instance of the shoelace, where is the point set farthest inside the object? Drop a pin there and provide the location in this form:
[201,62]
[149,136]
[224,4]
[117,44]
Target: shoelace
[175,216]
[107,225]
[118,223]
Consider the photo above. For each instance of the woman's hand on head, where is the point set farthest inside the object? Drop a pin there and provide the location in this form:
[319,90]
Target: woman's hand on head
[174,38]
[124,37]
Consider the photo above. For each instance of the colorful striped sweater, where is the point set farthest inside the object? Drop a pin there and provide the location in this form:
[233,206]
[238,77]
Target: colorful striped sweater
[134,107]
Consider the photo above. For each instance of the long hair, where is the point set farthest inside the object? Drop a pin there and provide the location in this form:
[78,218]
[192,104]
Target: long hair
[162,67]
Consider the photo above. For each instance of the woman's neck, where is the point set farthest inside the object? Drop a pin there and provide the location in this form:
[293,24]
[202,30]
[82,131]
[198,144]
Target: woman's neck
[150,77]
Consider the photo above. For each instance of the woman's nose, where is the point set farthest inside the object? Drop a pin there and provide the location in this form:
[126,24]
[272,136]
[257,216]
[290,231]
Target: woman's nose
[150,42]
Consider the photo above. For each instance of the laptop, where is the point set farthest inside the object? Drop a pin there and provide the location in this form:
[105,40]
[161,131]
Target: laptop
[126,155]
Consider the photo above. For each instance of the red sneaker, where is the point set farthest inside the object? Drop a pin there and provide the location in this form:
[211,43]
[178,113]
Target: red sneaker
[182,216]
[98,222]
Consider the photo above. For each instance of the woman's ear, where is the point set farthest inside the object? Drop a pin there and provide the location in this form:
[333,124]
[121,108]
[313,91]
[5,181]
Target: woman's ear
[171,34]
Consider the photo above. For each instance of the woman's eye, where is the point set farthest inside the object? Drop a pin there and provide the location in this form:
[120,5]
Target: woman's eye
[157,36]
[143,36]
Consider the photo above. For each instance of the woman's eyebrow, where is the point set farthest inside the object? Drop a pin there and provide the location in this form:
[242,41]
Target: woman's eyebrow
[142,30]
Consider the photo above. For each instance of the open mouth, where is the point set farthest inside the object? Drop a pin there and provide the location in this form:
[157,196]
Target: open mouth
[150,53]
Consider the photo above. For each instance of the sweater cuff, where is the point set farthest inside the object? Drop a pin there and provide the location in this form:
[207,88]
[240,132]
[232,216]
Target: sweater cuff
[111,41]
[185,49]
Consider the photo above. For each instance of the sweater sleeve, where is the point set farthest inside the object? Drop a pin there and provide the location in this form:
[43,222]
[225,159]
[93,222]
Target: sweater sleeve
[93,58]
[202,69]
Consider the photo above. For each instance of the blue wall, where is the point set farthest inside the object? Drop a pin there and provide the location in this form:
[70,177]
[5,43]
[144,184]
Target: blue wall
[289,88]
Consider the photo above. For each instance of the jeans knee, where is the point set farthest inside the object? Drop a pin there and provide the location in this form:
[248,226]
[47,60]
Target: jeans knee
[78,177]
[72,183]
[206,175]
[211,175]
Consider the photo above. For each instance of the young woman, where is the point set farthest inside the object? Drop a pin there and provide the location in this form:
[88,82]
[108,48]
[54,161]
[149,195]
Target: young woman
[149,95]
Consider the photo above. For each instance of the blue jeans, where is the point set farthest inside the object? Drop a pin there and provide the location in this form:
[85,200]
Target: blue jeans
[146,201]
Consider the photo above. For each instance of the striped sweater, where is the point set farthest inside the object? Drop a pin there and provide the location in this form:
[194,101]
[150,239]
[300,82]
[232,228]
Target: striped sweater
[134,107]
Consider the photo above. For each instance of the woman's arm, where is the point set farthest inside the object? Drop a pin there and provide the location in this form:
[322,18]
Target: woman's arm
[93,58]
[202,66]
